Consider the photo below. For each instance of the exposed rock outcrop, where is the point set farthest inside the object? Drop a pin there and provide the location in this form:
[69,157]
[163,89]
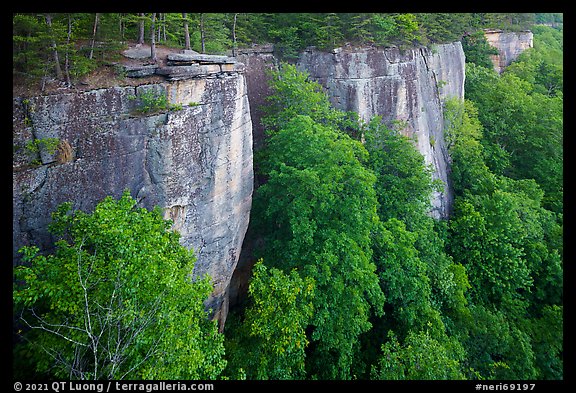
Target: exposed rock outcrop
[258,61]
[509,45]
[401,86]
[194,162]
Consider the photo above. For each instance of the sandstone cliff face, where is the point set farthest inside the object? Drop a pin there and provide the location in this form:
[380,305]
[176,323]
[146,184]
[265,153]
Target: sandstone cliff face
[258,60]
[195,163]
[509,45]
[406,86]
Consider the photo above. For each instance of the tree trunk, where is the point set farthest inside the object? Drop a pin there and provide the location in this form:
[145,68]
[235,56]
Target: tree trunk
[159,24]
[153,39]
[234,36]
[202,35]
[96,20]
[186,31]
[121,26]
[164,29]
[58,69]
[67,61]
[141,29]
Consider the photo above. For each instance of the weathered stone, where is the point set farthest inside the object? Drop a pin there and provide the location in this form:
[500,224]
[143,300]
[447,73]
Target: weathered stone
[509,45]
[189,52]
[256,49]
[189,71]
[140,71]
[137,52]
[179,70]
[257,66]
[227,67]
[406,86]
[195,163]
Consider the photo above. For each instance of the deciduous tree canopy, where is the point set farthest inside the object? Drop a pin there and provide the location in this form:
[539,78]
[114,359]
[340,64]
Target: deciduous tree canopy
[354,278]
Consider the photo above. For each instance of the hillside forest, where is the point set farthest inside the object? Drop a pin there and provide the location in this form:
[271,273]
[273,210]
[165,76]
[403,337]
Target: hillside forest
[352,277]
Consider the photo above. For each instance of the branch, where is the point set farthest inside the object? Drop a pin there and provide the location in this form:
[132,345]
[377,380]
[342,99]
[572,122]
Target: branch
[88,320]
[43,327]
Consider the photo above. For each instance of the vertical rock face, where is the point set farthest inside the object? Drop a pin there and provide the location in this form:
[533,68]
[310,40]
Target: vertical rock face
[509,45]
[401,86]
[259,60]
[195,163]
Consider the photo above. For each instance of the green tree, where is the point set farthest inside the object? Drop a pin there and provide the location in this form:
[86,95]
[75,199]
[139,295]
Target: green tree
[444,27]
[403,276]
[270,342]
[547,334]
[420,358]
[508,21]
[521,113]
[294,94]
[478,50]
[316,213]
[114,301]
[463,133]
[497,347]
[510,247]
[404,184]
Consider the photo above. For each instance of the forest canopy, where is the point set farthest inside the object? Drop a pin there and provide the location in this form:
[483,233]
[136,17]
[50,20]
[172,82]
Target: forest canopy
[464,298]
[67,46]
[352,277]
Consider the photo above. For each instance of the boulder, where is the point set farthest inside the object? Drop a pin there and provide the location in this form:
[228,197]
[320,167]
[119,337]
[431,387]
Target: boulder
[140,71]
[185,58]
[194,163]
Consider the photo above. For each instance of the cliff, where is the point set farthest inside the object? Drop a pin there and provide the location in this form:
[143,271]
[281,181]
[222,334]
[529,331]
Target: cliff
[509,45]
[406,86]
[194,162]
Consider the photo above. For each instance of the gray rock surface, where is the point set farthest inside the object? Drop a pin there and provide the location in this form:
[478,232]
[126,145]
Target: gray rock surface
[197,58]
[401,86]
[509,45]
[195,163]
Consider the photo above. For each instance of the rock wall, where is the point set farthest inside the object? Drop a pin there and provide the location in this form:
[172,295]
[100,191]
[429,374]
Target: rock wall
[258,61]
[401,86]
[509,45]
[194,162]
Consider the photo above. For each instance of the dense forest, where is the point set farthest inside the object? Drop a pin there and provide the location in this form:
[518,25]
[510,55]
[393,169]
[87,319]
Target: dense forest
[354,279]
[68,45]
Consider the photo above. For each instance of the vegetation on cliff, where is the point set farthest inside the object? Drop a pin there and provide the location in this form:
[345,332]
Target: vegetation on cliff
[66,46]
[475,296]
[113,301]
[354,279]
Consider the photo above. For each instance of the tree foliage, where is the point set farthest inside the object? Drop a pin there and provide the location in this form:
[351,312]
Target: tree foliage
[354,278]
[77,43]
[507,241]
[270,342]
[521,113]
[114,301]
[420,358]
[353,219]
[318,210]
[478,50]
